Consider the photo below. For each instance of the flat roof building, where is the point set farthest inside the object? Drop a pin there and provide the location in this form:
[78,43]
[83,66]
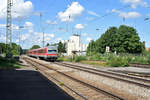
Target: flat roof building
[74,45]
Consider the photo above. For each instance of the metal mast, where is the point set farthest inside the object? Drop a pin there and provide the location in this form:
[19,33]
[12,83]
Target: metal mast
[8,29]
[42,29]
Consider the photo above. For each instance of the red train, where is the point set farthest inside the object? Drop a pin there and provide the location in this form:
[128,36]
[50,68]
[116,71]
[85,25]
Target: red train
[48,53]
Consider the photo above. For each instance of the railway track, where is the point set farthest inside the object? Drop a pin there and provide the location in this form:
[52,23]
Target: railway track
[87,89]
[140,65]
[117,76]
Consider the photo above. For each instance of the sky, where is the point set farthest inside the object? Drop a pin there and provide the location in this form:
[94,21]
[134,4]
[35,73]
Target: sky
[59,19]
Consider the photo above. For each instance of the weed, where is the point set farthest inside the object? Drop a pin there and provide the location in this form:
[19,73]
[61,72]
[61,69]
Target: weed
[118,61]
[80,58]
[61,84]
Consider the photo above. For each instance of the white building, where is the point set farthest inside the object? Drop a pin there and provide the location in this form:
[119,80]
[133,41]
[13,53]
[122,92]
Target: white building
[74,44]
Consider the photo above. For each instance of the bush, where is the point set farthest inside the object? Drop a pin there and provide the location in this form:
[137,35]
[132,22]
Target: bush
[9,63]
[117,61]
[2,59]
[148,59]
[60,59]
[69,59]
[139,59]
[80,58]
[95,57]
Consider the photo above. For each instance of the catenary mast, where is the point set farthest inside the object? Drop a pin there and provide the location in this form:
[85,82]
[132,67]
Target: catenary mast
[9,29]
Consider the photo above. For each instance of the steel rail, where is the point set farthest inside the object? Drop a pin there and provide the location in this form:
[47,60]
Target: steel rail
[94,71]
[84,83]
[80,95]
[112,73]
[147,66]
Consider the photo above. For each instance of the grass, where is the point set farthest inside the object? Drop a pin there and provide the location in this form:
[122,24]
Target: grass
[97,63]
[69,59]
[9,64]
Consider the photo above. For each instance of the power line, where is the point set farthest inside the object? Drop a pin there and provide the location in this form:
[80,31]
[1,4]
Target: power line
[107,14]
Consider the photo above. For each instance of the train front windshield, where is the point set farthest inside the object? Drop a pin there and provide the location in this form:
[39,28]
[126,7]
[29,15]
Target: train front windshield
[52,51]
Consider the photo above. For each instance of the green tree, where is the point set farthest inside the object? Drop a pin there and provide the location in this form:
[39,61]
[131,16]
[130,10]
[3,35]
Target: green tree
[2,48]
[47,44]
[61,47]
[107,39]
[128,40]
[91,47]
[35,47]
[54,44]
[124,39]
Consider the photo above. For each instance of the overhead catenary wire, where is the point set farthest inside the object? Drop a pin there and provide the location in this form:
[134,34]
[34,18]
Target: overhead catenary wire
[110,13]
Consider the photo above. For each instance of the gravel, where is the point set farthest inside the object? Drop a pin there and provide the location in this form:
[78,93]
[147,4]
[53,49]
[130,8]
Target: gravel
[122,88]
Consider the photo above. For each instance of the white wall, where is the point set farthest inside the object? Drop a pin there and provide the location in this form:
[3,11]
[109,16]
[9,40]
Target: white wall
[74,44]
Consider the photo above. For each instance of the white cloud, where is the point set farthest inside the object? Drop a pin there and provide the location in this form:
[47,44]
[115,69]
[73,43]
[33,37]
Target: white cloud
[48,22]
[88,39]
[84,34]
[2,38]
[148,15]
[130,15]
[19,8]
[93,13]
[135,3]
[89,18]
[62,29]
[25,37]
[79,26]
[115,11]
[2,25]
[31,30]
[51,23]
[59,39]
[54,23]
[29,39]
[28,25]
[127,14]
[51,35]
[71,12]
[15,27]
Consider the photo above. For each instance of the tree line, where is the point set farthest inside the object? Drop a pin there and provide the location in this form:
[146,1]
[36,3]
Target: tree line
[15,49]
[124,39]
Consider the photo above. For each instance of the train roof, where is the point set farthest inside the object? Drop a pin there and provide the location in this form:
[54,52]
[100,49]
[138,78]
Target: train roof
[44,48]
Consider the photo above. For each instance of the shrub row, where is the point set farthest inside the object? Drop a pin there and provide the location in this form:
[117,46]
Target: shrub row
[112,59]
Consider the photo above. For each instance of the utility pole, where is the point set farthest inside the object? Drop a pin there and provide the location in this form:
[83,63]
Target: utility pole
[9,30]
[41,27]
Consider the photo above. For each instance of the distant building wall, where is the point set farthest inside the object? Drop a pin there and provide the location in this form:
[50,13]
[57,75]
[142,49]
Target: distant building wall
[74,44]
[147,49]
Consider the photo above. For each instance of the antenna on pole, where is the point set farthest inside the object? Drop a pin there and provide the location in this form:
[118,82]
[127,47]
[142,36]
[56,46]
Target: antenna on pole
[9,30]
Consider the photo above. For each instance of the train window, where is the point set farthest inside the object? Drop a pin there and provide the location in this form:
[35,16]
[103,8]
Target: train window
[52,51]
